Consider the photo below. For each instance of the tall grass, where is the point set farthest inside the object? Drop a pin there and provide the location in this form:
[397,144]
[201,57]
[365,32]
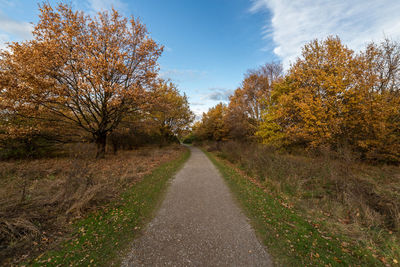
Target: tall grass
[351,198]
[101,237]
[41,198]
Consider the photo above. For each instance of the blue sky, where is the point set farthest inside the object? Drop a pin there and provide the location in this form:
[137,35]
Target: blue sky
[209,44]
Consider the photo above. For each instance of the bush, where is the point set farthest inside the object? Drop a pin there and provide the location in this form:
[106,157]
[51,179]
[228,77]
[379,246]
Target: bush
[365,194]
[133,139]
[347,196]
[190,139]
[40,198]
[27,147]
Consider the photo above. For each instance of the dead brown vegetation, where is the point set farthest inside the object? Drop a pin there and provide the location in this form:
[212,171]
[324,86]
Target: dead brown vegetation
[355,199]
[39,199]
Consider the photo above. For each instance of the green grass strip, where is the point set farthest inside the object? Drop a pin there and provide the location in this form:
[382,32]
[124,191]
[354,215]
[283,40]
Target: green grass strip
[291,239]
[101,238]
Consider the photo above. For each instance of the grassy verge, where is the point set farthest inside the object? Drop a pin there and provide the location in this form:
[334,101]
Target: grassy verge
[99,238]
[291,238]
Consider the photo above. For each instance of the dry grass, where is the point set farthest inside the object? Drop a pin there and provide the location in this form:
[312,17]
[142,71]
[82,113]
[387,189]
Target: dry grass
[39,199]
[350,198]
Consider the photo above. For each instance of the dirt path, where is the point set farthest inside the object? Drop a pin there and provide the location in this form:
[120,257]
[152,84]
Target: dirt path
[199,224]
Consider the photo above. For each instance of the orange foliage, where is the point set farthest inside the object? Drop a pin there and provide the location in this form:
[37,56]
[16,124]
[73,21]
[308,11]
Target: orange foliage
[212,125]
[330,97]
[334,97]
[248,101]
[81,71]
[169,110]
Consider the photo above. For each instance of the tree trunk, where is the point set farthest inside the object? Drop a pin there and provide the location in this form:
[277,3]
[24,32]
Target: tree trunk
[115,147]
[101,141]
[162,138]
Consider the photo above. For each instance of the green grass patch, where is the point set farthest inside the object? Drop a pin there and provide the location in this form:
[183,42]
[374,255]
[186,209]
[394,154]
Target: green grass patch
[291,238]
[101,238]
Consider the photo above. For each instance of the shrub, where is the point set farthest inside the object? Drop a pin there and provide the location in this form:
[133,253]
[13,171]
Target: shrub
[366,195]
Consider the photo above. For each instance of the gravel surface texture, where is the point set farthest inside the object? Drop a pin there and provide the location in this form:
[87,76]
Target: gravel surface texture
[198,224]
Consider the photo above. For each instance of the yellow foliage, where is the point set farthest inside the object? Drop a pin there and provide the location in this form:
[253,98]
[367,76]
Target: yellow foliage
[248,101]
[87,72]
[212,125]
[334,97]
[169,110]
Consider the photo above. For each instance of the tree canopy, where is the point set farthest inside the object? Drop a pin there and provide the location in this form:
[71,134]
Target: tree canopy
[84,75]
[330,97]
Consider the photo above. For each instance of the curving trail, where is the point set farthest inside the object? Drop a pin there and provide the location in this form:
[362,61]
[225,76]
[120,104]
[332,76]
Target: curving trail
[198,224]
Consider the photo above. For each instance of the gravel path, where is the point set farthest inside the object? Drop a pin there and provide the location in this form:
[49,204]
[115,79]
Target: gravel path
[198,224]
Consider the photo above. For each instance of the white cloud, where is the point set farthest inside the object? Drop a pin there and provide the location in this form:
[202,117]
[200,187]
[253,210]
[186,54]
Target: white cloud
[19,29]
[197,103]
[356,22]
[7,3]
[4,38]
[185,74]
[219,94]
[102,5]
[209,98]
[11,29]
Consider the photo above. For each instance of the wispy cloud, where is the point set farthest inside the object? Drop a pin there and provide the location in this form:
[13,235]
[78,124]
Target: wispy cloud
[11,29]
[19,29]
[179,74]
[4,38]
[102,5]
[208,98]
[219,94]
[7,3]
[356,22]
[197,103]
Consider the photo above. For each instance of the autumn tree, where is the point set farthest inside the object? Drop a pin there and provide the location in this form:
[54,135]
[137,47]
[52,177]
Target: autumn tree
[169,110]
[246,105]
[79,71]
[381,138]
[334,97]
[313,100]
[212,125]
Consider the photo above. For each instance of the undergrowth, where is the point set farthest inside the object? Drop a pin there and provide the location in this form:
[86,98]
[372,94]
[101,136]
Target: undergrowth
[41,199]
[314,211]
[99,239]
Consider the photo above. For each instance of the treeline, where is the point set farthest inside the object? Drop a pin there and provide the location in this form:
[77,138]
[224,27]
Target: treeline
[86,78]
[330,98]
